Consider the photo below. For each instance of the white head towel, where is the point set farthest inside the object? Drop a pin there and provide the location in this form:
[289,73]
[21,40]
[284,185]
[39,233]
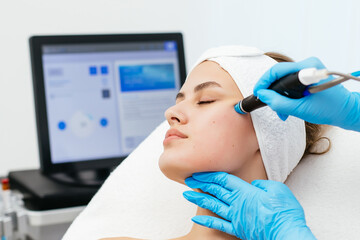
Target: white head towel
[282,144]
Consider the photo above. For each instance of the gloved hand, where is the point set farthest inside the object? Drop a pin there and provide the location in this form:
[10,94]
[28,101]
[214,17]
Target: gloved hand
[334,106]
[261,210]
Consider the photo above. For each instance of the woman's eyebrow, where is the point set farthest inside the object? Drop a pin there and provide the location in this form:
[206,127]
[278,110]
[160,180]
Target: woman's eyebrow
[203,85]
[200,87]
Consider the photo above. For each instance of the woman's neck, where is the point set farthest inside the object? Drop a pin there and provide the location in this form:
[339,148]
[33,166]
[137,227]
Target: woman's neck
[250,171]
[199,232]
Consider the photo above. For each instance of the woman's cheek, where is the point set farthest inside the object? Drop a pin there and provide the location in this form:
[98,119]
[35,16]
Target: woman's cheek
[231,142]
[209,152]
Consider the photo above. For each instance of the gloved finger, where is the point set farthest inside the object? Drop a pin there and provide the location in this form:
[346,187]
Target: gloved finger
[277,102]
[276,72]
[268,97]
[215,223]
[208,202]
[283,116]
[262,184]
[270,186]
[219,192]
[311,62]
[223,179]
[282,69]
[191,182]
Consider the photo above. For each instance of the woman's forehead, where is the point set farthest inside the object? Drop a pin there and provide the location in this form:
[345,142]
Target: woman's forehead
[209,71]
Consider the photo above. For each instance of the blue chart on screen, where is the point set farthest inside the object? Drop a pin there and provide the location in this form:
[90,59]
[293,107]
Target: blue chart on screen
[147,77]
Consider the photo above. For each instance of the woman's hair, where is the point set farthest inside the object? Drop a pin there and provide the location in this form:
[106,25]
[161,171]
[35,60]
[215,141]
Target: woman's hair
[313,131]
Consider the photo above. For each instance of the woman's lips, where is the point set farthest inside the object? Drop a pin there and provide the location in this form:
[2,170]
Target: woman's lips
[173,134]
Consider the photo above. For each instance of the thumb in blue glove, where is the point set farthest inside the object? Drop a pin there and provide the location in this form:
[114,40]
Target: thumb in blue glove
[261,210]
[334,106]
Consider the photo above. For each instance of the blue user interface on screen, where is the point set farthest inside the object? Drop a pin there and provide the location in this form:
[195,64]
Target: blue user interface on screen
[147,77]
[102,100]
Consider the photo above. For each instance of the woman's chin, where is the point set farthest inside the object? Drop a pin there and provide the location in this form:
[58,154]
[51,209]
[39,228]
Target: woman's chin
[172,172]
[173,175]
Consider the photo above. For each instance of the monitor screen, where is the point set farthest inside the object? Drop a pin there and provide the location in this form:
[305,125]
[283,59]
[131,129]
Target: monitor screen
[101,98]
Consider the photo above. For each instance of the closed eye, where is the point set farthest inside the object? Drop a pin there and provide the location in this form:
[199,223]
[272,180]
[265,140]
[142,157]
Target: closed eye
[206,102]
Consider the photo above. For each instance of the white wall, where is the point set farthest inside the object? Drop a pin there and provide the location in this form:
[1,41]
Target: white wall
[327,29]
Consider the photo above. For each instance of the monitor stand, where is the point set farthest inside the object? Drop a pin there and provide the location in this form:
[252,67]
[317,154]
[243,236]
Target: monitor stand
[83,178]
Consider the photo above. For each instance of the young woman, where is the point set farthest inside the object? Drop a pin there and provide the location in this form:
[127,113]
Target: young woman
[206,134]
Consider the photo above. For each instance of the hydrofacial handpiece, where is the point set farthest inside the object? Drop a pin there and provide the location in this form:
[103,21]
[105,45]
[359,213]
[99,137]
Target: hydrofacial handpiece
[294,85]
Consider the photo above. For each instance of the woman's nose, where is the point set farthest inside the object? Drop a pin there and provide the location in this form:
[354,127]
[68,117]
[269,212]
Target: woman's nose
[174,116]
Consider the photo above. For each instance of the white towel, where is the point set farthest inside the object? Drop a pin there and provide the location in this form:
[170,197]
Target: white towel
[282,144]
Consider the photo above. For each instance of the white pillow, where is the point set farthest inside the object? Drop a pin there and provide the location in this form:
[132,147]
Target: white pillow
[137,200]
[328,187]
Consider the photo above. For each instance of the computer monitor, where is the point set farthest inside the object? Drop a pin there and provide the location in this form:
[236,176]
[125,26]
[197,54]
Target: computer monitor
[98,96]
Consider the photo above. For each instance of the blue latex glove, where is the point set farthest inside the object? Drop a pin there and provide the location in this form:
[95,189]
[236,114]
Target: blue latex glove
[334,106]
[262,210]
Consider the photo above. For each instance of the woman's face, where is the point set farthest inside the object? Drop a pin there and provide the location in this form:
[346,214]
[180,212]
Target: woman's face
[206,134]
